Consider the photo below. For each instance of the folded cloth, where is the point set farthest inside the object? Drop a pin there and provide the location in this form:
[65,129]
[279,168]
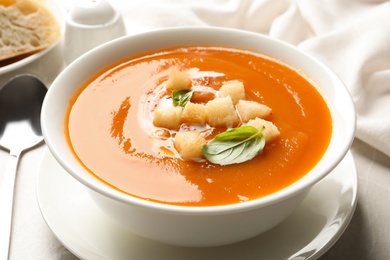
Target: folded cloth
[352,37]
[357,48]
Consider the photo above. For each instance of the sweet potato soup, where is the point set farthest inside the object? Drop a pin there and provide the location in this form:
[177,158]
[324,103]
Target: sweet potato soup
[113,131]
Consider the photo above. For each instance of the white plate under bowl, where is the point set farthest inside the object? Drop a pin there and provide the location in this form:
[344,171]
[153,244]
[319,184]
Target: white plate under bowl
[90,234]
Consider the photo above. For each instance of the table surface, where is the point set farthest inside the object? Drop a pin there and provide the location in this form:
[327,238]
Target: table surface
[366,237]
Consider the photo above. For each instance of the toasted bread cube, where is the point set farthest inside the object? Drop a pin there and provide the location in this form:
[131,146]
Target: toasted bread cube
[270,131]
[235,90]
[194,114]
[178,80]
[167,117]
[221,112]
[189,144]
[250,110]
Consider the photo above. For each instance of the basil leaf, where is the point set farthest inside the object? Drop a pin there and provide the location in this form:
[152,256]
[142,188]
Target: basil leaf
[181,97]
[237,134]
[234,146]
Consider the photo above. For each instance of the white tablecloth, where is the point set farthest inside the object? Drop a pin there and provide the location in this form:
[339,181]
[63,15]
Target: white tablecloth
[351,36]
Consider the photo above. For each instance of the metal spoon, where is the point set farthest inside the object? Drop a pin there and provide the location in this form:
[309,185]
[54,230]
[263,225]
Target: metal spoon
[20,107]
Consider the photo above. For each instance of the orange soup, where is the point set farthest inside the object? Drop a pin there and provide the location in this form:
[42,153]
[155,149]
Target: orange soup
[111,130]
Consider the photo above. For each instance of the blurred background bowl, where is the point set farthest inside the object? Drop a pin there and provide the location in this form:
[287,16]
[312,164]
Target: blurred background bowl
[45,64]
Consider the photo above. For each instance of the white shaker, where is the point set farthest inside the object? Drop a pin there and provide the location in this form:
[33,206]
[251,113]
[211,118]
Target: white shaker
[89,24]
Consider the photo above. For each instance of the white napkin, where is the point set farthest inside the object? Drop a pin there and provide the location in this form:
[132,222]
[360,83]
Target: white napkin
[351,36]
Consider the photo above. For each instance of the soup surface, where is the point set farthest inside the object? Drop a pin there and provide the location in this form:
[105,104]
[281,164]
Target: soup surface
[111,130]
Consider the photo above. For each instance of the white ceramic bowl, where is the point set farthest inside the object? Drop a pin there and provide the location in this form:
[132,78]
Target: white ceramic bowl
[196,226]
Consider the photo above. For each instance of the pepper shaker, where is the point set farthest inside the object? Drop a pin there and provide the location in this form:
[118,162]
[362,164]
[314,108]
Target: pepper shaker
[89,24]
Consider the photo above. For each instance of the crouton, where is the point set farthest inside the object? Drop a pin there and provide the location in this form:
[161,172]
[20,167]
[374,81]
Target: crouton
[235,90]
[189,144]
[270,131]
[194,114]
[178,80]
[250,110]
[168,117]
[221,112]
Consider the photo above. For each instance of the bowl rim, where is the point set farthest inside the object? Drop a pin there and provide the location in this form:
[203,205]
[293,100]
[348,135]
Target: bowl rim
[287,192]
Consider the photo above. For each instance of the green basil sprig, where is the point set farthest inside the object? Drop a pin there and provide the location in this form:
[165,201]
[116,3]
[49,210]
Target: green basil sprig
[235,145]
[181,97]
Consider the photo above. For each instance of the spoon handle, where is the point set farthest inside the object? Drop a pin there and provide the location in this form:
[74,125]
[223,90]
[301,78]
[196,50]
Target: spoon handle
[7,187]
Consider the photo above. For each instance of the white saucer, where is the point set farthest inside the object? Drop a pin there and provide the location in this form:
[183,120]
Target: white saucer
[90,234]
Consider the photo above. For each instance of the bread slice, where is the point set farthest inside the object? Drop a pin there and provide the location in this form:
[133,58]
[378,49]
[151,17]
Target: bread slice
[26,27]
